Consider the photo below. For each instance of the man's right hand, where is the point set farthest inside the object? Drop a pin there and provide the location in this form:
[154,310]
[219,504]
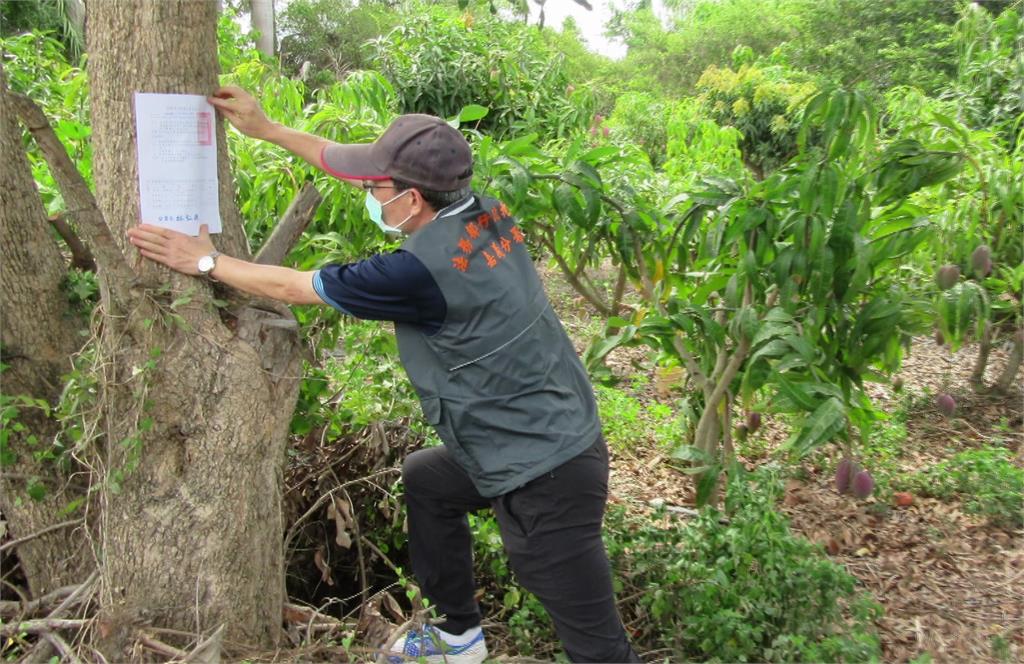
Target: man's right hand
[242,110]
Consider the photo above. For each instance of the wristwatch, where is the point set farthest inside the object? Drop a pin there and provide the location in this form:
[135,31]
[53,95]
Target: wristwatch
[207,263]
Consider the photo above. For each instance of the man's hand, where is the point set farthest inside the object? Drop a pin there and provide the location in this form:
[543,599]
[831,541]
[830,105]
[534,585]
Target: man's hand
[176,250]
[242,110]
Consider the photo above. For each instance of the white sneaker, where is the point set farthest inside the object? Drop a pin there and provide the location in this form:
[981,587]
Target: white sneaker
[434,646]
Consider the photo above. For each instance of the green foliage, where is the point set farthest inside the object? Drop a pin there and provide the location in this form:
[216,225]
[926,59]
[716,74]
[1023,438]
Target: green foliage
[82,289]
[983,205]
[358,383]
[705,34]
[36,67]
[642,119]
[989,86]
[627,422]
[878,44]
[745,589]
[733,586]
[445,61]
[795,275]
[331,36]
[986,480]
[698,147]
[42,16]
[764,104]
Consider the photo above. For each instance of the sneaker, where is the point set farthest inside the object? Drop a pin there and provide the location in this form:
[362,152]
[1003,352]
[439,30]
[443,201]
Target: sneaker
[434,646]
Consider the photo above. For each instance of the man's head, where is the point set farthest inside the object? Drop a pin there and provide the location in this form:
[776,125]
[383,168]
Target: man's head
[419,165]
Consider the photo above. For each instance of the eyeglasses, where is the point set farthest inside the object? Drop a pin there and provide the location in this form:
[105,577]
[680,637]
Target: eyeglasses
[368,186]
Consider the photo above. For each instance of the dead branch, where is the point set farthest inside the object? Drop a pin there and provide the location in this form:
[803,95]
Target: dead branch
[11,608]
[80,201]
[81,595]
[161,647]
[322,500]
[383,556]
[48,529]
[208,650]
[41,626]
[62,647]
[81,257]
[382,658]
[291,227]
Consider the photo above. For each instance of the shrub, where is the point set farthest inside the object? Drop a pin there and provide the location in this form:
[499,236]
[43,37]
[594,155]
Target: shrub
[736,588]
[742,590]
[626,421]
[986,480]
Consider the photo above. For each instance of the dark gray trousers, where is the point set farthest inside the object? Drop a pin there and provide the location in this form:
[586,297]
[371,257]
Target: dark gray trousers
[551,529]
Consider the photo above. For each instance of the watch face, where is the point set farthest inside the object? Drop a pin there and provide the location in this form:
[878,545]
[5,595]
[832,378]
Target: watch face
[205,264]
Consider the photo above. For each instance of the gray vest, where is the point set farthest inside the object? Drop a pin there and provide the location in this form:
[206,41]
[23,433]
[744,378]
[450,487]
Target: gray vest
[500,381]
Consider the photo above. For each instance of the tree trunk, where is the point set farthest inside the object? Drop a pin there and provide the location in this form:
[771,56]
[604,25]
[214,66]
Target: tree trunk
[981,362]
[197,400]
[1013,362]
[38,334]
[263,21]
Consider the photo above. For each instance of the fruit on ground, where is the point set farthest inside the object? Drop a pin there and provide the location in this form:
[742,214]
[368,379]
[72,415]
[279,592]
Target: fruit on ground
[903,499]
[845,473]
[753,421]
[863,484]
[945,404]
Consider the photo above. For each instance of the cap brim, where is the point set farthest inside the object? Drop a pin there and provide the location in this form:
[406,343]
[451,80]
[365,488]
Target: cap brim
[351,162]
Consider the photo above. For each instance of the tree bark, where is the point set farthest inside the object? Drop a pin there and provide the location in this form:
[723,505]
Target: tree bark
[981,362]
[38,334]
[1013,362]
[263,21]
[197,401]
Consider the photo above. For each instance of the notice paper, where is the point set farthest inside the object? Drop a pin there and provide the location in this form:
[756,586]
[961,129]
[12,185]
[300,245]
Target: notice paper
[177,150]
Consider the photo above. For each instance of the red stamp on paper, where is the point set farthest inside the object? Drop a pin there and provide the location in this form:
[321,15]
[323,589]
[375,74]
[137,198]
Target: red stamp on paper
[204,128]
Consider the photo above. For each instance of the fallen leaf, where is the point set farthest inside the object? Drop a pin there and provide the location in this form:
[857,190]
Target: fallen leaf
[390,604]
[325,570]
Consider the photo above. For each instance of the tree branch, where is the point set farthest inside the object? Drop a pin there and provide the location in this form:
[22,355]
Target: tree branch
[81,257]
[161,647]
[41,626]
[578,286]
[77,196]
[292,226]
[12,608]
[62,647]
[620,289]
[48,529]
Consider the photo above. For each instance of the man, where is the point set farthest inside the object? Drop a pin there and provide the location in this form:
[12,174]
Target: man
[495,372]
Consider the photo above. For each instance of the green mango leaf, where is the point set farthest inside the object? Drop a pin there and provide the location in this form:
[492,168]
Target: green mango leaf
[828,419]
[473,112]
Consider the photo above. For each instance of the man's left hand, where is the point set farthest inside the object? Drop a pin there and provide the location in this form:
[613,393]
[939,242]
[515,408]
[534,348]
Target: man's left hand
[176,250]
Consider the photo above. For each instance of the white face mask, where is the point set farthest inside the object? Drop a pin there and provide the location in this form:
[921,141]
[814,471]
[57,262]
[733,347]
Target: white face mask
[376,210]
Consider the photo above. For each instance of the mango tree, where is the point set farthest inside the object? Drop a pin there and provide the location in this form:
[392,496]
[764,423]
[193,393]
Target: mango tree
[778,296]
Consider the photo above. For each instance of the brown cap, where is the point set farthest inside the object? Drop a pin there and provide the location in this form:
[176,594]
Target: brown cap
[422,150]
